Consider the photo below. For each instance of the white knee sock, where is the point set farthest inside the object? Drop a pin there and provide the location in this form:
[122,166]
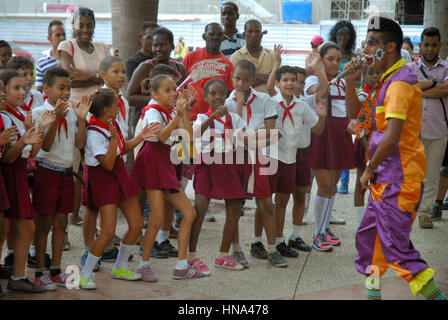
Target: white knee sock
[294,232]
[123,256]
[359,212]
[327,214]
[278,240]
[163,235]
[32,251]
[320,207]
[91,261]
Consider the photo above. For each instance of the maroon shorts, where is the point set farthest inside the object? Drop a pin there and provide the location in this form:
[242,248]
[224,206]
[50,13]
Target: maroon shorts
[303,167]
[284,179]
[261,181]
[16,182]
[4,201]
[53,192]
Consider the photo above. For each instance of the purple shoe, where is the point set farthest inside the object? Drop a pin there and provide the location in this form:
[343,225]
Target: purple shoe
[147,274]
[188,273]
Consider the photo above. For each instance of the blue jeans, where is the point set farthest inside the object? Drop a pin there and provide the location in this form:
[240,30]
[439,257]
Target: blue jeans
[345,176]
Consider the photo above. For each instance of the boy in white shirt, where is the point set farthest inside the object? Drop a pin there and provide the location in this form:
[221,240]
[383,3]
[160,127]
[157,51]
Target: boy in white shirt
[53,196]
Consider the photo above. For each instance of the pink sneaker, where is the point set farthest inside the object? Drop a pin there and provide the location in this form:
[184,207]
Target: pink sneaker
[197,264]
[147,274]
[59,279]
[227,262]
[44,281]
[331,238]
[188,273]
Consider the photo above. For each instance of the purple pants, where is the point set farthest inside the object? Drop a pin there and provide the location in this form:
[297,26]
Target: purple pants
[383,238]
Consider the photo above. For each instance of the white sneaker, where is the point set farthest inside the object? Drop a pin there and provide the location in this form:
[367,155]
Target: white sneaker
[336,220]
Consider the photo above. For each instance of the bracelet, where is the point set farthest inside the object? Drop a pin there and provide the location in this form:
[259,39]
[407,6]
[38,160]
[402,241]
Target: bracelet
[369,167]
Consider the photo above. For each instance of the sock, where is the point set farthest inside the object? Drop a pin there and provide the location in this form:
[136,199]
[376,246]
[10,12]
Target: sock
[320,206]
[191,255]
[327,214]
[143,263]
[182,264]
[294,232]
[271,248]
[257,239]
[223,254]
[8,252]
[278,240]
[236,247]
[32,251]
[373,294]
[86,250]
[91,261]
[123,255]
[163,235]
[359,212]
[39,272]
[17,279]
[432,292]
[54,271]
[307,203]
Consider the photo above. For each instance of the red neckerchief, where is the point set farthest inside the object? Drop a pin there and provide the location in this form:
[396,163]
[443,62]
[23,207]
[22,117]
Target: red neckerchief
[249,109]
[27,107]
[63,122]
[160,109]
[122,107]
[2,125]
[339,84]
[45,97]
[367,89]
[225,124]
[18,115]
[93,121]
[287,112]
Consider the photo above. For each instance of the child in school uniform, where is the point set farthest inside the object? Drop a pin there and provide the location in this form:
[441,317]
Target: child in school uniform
[217,180]
[155,172]
[109,185]
[8,133]
[33,100]
[293,115]
[53,196]
[14,161]
[258,110]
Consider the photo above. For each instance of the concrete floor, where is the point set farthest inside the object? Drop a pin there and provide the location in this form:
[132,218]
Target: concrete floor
[325,275]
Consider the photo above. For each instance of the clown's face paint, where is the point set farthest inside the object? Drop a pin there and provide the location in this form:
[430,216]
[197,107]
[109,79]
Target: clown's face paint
[373,51]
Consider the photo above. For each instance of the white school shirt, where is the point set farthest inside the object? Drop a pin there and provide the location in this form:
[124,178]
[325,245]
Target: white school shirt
[153,115]
[21,127]
[263,107]
[338,110]
[123,122]
[203,141]
[97,144]
[292,139]
[7,123]
[61,152]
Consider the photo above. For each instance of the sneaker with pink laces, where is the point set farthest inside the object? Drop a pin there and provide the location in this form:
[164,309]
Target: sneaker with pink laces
[197,264]
[59,279]
[228,262]
[147,274]
[44,281]
[188,273]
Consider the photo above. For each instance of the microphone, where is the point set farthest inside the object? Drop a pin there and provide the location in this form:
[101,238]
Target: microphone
[346,71]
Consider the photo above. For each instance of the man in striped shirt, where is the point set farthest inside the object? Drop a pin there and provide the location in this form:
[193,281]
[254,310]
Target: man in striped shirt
[56,34]
[233,40]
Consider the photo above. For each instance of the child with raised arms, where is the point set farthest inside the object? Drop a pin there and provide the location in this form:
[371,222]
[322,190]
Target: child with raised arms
[53,197]
[14,159]
[109,185]
[155,172]
[217,180]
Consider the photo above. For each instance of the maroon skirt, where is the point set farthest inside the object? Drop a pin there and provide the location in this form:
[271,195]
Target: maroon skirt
[153,168]
[108,187]
[220,181]
[333,149]
[15,177]
[360,155]
[4,200]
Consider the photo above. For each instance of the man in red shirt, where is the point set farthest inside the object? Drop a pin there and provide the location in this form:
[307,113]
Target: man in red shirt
[207,63]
